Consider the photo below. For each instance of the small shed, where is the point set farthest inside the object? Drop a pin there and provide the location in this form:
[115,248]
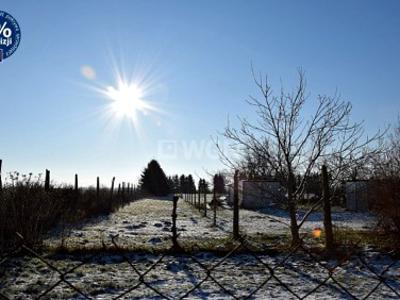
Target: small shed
[256,194]
[357,195]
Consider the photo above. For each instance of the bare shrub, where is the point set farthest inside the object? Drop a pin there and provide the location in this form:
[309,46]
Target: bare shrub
[385,189]
[386,202]
[28,209]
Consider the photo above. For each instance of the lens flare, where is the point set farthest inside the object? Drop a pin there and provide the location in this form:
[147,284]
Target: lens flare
[88,72]
[316,233]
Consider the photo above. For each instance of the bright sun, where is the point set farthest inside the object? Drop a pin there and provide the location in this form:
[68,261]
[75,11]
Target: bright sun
[126,99]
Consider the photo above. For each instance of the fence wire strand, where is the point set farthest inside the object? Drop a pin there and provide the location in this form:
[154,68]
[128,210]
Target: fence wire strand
[208,273]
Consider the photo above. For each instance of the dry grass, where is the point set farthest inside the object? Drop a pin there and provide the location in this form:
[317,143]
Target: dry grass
[28,209]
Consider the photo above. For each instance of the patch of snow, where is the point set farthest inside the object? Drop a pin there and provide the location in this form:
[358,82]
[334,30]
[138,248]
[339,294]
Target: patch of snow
[148,222]
[107,276]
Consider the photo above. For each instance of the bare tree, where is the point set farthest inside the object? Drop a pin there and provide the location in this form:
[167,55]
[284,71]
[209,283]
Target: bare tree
[385,188]
[387,163]
[287,145]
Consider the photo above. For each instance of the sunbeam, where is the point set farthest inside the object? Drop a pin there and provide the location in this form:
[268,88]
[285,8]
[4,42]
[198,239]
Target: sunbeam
[126,100]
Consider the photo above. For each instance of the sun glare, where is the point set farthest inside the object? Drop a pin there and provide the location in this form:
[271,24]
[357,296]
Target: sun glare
[126,99]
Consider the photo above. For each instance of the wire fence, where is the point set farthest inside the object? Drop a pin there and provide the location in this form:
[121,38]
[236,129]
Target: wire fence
[301,272]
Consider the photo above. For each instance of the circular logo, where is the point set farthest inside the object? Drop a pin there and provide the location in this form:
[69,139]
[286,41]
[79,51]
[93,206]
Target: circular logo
[10,35]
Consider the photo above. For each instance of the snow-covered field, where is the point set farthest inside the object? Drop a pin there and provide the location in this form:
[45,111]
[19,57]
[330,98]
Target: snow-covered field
[145,225]
[109,276]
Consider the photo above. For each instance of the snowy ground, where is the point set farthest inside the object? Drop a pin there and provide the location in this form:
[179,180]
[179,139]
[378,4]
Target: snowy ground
[109,276]
[145,225]
[142,225]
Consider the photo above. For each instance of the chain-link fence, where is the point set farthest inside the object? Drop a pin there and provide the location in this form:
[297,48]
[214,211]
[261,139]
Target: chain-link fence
[240,272]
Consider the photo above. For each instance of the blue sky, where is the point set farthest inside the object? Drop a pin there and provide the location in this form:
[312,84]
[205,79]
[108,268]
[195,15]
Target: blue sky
[195,58]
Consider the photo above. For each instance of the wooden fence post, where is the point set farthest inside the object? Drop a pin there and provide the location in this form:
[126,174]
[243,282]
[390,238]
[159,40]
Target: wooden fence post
[215,207]
[1,183]
[47,181]
[236,205]
[205,197]
[173,228]
[98,187]
[112,186]
[111,194]
[76,183]
[327,210]
[119,188]
[76,194]
[199,192]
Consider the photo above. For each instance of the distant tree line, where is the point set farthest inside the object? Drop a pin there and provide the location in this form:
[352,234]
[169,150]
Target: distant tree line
[153,181]
[219,183]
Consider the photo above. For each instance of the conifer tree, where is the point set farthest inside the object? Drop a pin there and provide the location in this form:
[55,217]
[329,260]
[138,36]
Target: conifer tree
[153,180]
[182,184]
[190,184]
